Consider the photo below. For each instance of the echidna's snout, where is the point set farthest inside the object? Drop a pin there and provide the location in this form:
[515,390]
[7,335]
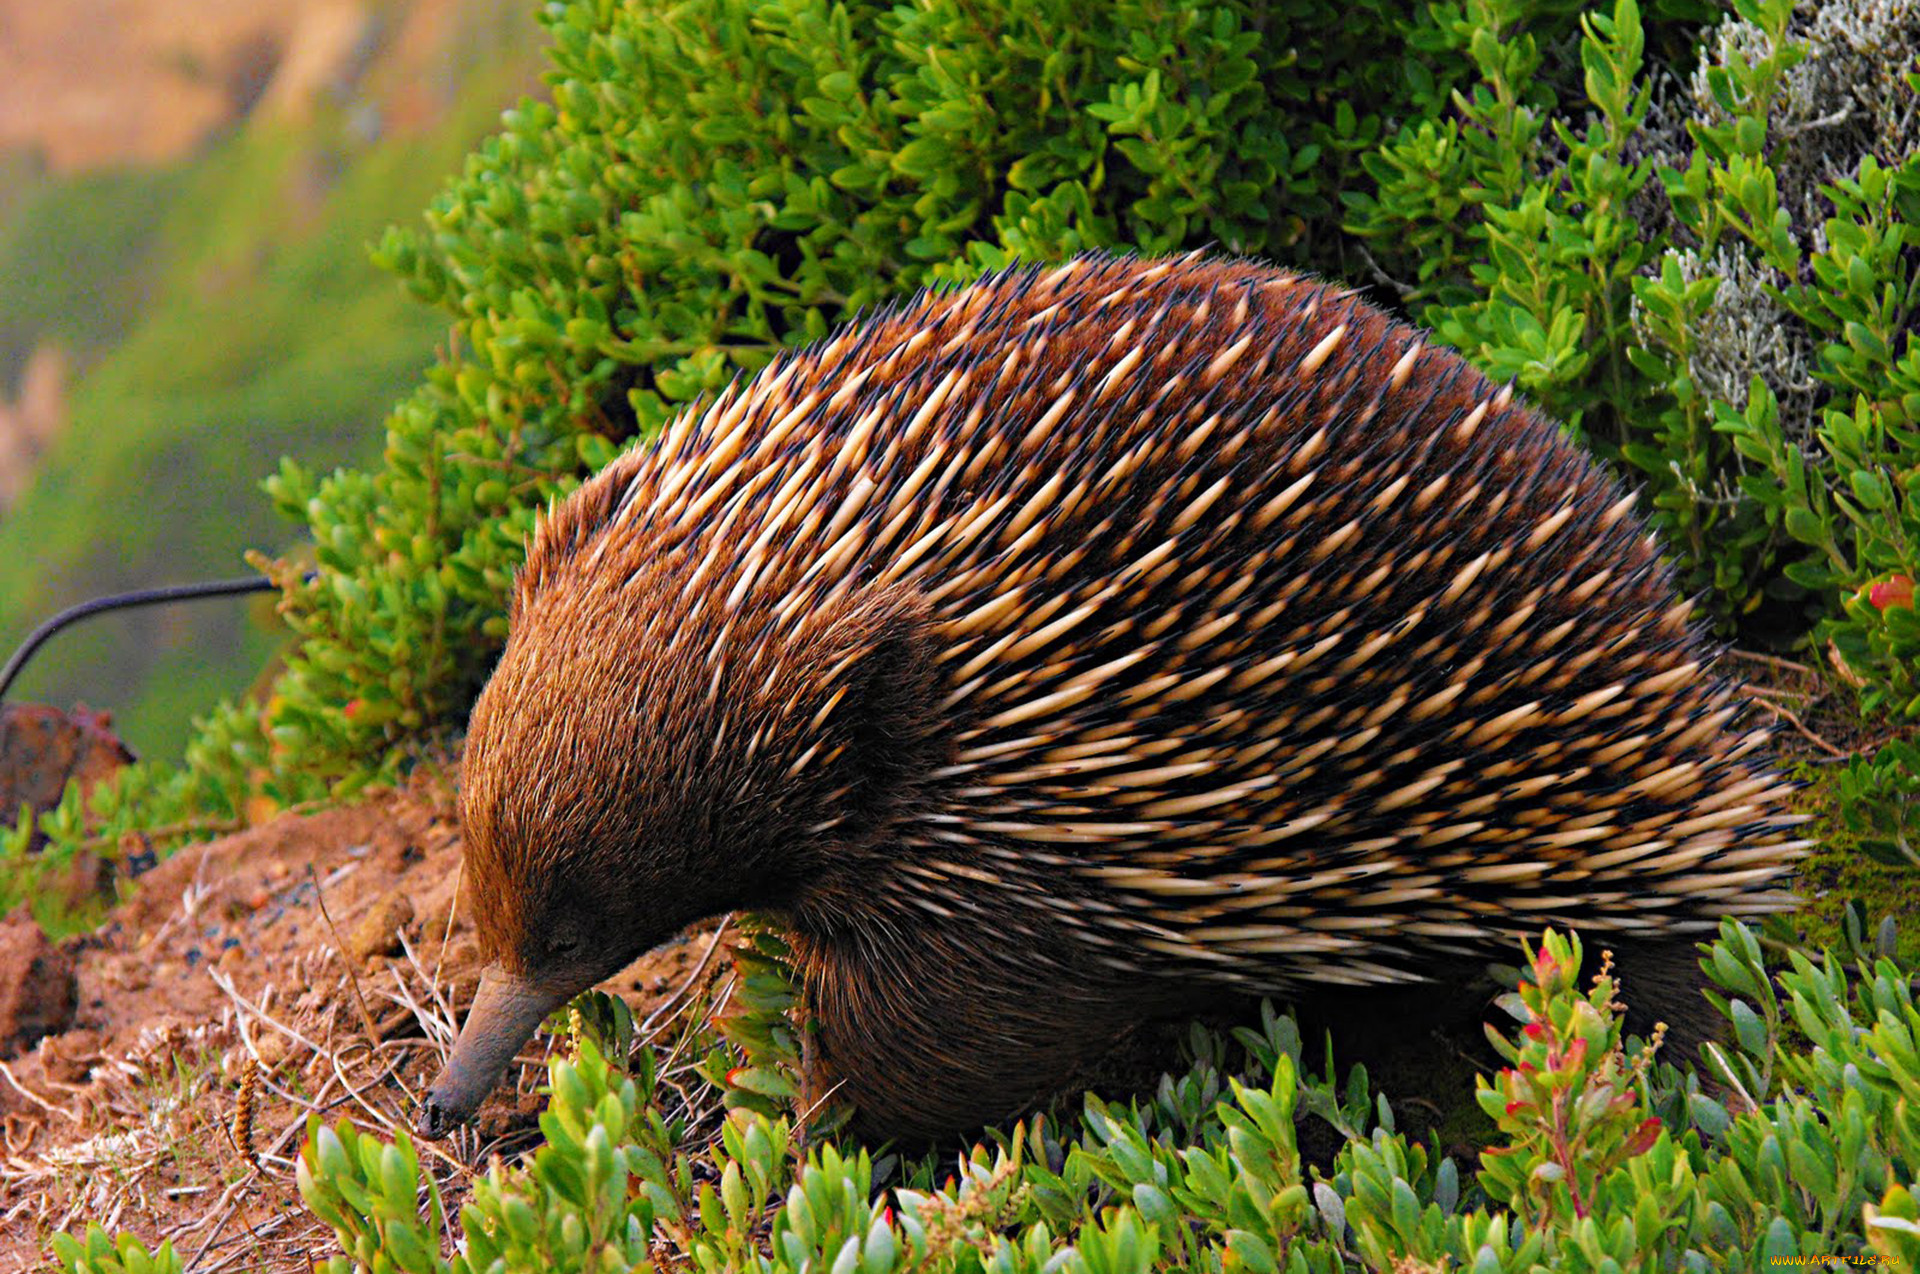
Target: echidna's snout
[506,1010]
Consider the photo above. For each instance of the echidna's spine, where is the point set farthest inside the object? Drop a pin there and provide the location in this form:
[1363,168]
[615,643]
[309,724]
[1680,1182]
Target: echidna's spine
[1288,644]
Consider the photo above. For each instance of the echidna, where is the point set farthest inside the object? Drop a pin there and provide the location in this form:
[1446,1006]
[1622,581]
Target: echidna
[1050,649]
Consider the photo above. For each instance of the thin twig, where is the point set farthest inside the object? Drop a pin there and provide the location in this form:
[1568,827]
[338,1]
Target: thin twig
[217,1217]
[1791,718]
[673,1001]
[438,1031]
[1773,661]
[1381,277]
[259,1014]
[35,1098]
[806,1116]
[191,827]
[353,980]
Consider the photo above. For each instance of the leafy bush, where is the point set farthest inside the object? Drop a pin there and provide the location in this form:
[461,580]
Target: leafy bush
[1712,280]
[709,183]
[1602,1162]
[1510,230]
[715,181]
[1878,799]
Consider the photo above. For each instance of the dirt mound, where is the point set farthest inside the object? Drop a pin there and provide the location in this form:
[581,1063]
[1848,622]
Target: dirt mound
[38,992]
[229,957]
[42,749]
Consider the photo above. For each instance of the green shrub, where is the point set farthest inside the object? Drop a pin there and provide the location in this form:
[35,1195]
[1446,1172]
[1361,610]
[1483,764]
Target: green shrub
[715,181]
[709,183]
[1511,230]
[101,1253]
[1602,1162]
[1712,280]
[1878,799]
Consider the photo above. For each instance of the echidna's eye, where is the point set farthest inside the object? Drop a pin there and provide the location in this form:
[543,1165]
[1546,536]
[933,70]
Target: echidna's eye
[562,946]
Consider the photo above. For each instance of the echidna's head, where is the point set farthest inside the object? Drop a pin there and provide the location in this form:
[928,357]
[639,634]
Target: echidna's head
[644,757]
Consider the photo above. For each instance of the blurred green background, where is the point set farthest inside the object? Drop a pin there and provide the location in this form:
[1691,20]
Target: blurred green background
[171,324]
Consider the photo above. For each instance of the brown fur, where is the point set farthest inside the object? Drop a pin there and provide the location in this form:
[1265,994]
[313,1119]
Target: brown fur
[1051,651]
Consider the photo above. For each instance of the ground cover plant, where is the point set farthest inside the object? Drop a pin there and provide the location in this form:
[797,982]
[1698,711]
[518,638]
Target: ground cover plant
[1692,239]
[1603,1159]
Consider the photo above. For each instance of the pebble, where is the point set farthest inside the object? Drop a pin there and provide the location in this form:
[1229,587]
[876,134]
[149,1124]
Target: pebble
[272,1047]
[377,933]
[38,990]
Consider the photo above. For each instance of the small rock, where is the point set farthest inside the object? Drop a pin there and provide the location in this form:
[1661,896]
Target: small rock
[69,1058]
[271,1047]
[377,934]
[42,749]
[508,1113]
[38,992]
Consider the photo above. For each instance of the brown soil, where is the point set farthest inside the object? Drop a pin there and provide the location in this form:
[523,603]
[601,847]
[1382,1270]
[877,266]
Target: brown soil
[227,956]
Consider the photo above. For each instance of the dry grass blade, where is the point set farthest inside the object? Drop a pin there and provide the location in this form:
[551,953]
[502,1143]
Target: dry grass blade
[439,1028]
[35,1098]
[260,1015]
[1773,661]
[1792,718]
[306,1037]
[346,958]
[672,1002]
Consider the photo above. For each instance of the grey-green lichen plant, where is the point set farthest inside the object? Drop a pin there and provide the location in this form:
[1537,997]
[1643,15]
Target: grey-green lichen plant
[1839,90]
